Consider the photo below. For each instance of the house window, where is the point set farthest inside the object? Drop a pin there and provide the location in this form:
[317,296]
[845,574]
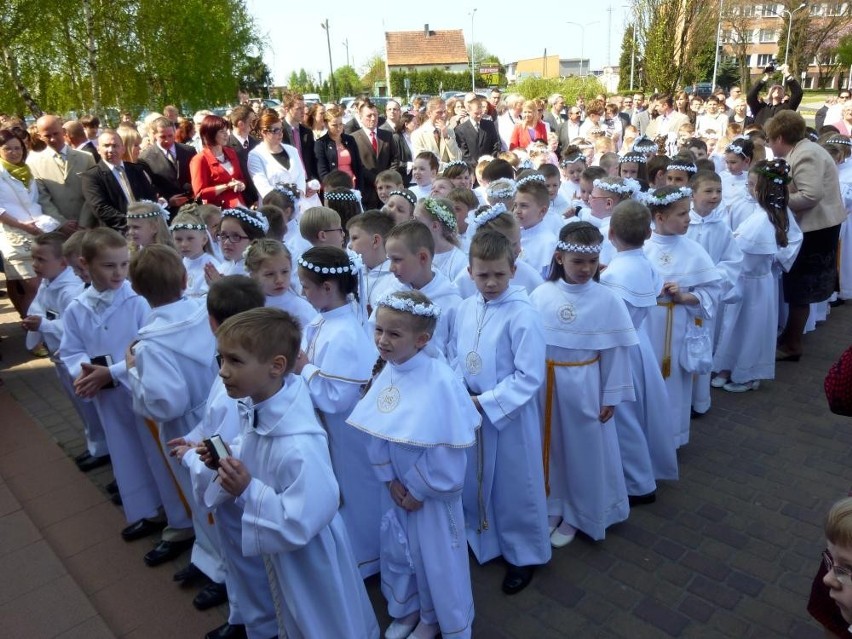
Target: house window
[835,9]
[768,35]
[769,10]
[749,11]
[763,59]
[815,9]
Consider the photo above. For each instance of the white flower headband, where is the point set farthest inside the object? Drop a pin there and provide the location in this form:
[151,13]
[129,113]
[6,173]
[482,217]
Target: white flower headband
[405,195]
[591,249]
[187,226]
[686,168]
[290,190]
[428,309]
[735,148]
[457,163]
[506,191]
[638,158]
[343,196]
[326,270]
[837,140]
[532,177]
[525,164]
[577,158]
[651,199]
[257,219]
[446,217]
[643,144]
[160,211]
[489,214]
[627,186]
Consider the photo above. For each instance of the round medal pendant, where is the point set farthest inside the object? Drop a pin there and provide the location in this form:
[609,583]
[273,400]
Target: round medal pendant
[388,399]
[567,313]
[473,363]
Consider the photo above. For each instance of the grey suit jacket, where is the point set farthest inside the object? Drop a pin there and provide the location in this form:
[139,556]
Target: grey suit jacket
[815,188]
[60,193]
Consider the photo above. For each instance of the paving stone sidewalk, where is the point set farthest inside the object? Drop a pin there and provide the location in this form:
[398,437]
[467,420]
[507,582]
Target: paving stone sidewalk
[727,551]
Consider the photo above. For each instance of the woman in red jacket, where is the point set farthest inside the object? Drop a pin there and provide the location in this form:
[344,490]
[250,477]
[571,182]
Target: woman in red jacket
[216,174]
[532,128]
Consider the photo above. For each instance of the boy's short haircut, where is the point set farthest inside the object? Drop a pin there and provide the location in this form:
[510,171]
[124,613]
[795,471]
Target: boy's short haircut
[497,169]
[705,164]
[264,333]
[490,245]
[100,239]
[701,177]
[55,240]
[337,179]
[391,176]
[593,173]
[537,190]
[838,523]
[317,219]
[464,196]
[206,211]
[431,158]
[608,161]
[630,223]
[414,235]
[233,294]
[695,143]
[373,222]
[549,170]
[656,164]
[72,248]
[157,274]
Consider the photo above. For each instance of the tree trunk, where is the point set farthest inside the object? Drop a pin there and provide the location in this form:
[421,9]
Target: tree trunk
[91,51]
[12,67]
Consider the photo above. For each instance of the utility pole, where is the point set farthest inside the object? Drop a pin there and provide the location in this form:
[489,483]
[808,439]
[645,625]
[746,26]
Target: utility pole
[324,25]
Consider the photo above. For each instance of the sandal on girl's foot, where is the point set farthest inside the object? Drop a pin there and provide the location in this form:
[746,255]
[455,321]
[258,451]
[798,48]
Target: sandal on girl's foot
[425,631]
[402,627]
[732,387]
[719,381]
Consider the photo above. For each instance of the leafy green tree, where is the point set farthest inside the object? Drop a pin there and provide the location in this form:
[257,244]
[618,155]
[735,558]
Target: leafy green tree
[375,72]
[628,57]
[347,82]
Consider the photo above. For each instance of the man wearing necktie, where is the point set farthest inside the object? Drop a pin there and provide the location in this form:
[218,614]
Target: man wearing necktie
[167,162]
[475,136]
[57,172]
[376,151]
[111,185]
[434,135]
[297,134]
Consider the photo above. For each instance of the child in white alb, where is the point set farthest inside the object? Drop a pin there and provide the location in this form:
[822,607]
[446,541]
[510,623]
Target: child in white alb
[738,157]
[588,332]
[367,233]
[336,361]
[424,561]
[268,262]
[437,214]
[530,206]
[499,351]
[192,241]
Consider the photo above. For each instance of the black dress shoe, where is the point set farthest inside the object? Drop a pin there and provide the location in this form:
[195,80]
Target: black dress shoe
[189,575]
[227,631]
[142,528]
[211,595]
[82,457]
[112,487]
[517,578]
[166,551]
[93,462]
[641,500]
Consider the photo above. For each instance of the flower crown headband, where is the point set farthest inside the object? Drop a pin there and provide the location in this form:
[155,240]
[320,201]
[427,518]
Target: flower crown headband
[457,163]
[628,186]
[578,158]
[532,177]
[568,247]
[839,140]
[686,168]
[343,196]
[444,215]
[405,195]
[525,164]
[644,142]
[652,199]
[258,220]
[187,226]
[776,171]
[160,211]
[428,309]
[489,214]
[503,193]
[735,148]
[636,158]
[290,190]
[327,270]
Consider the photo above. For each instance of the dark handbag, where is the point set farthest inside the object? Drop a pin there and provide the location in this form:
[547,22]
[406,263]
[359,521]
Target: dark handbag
[838,385]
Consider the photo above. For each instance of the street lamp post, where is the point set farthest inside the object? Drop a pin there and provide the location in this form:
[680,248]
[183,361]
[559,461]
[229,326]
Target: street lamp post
[583,41]
[716,51]
[346,44]
[472,55]
[790,27]
[324,25]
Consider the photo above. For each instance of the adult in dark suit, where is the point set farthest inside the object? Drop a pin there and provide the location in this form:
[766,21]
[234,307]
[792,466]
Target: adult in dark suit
[337,150]
[410,122]
[167,162]
[477,137]
[377,153]
[297,134]
[75,136]
[110,185]
[242,121]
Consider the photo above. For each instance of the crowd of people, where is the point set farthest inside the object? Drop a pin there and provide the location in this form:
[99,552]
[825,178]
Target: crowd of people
[317,344]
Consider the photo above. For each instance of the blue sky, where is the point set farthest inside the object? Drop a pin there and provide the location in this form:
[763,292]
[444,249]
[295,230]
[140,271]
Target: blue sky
[300,41]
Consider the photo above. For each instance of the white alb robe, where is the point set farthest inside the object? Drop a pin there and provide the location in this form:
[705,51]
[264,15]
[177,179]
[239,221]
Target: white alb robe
[537,246]
[196,281]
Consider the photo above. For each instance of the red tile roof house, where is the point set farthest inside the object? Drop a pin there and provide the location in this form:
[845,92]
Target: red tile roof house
[424,50]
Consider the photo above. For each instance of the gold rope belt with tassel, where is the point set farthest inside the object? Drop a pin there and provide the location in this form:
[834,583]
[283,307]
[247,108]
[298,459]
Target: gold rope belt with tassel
[667,341]
[552,365]
[155,433]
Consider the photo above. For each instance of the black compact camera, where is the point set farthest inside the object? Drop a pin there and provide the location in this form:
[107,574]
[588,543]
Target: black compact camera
[772,67]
